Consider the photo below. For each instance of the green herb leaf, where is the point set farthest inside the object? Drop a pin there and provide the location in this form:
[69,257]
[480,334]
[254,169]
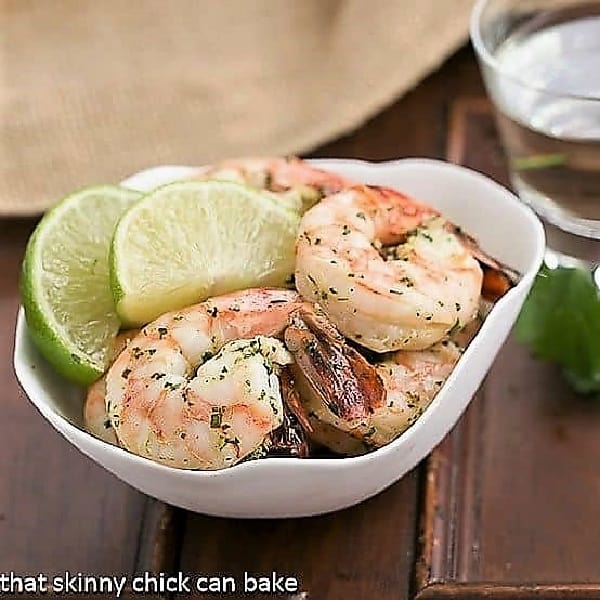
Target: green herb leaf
[560,321]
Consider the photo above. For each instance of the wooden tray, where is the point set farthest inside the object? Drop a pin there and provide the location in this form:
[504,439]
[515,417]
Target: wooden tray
[512,498]
[508,506]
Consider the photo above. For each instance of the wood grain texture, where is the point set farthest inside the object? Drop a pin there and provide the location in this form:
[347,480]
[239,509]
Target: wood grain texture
[365,552]
[58,510]
[361,552]
[511,498]
[512,495]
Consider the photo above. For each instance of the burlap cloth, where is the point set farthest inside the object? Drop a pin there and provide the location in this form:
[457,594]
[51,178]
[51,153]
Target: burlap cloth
[93,90]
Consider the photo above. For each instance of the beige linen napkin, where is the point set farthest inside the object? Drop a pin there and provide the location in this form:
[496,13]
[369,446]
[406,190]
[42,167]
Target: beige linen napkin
[93,90]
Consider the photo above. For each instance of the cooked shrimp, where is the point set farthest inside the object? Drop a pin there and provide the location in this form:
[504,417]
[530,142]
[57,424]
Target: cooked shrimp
[365,406]
[95,419]
[337,374]
[290,439]
[423,290]
[294,181]
[411,379]
[498,278]
[198,387]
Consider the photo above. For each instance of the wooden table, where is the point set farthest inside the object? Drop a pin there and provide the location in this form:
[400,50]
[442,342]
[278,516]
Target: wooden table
[508,505]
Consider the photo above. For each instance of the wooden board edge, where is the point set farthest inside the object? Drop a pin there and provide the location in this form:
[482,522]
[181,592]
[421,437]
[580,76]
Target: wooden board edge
[449,471]
[452,474]
[457,126]
[450,505]
[440,591]
[159,541]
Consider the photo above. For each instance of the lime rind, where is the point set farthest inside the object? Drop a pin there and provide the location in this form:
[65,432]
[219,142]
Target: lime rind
[51,327]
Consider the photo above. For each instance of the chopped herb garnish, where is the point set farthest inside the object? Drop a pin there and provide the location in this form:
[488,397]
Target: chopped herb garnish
[454,327]
[216,417]
[334,408]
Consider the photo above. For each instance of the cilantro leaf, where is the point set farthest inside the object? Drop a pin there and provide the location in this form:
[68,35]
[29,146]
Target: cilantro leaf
[560,322]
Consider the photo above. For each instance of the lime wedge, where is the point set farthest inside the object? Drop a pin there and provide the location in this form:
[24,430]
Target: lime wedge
[65,286]
[187,241]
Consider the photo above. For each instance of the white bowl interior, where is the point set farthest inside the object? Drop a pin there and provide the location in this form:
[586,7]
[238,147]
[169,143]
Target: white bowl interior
[277,487]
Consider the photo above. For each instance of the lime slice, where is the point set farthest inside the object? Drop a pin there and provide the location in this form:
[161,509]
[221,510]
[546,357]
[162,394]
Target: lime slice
[65,286]
[190,240]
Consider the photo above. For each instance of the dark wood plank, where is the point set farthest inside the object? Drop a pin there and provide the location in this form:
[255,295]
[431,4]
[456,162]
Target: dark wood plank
[159,543]
[511,505]
[495,591]
[58,510]
[366,551]
[362,552]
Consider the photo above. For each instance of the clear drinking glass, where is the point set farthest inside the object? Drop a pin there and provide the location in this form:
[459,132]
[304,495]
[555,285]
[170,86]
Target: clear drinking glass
[540,61]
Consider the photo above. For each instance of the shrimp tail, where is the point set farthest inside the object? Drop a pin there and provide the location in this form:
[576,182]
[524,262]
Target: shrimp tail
[291,399]
[290,438]
[498,278]
[333,371]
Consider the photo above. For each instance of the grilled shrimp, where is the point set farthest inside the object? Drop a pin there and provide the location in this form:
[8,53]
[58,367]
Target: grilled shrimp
[295,182]
[389,271]
[352,406]
[95,419]
[198,388]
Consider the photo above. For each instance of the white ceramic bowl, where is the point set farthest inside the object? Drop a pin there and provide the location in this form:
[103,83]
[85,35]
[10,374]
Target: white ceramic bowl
[287,487]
